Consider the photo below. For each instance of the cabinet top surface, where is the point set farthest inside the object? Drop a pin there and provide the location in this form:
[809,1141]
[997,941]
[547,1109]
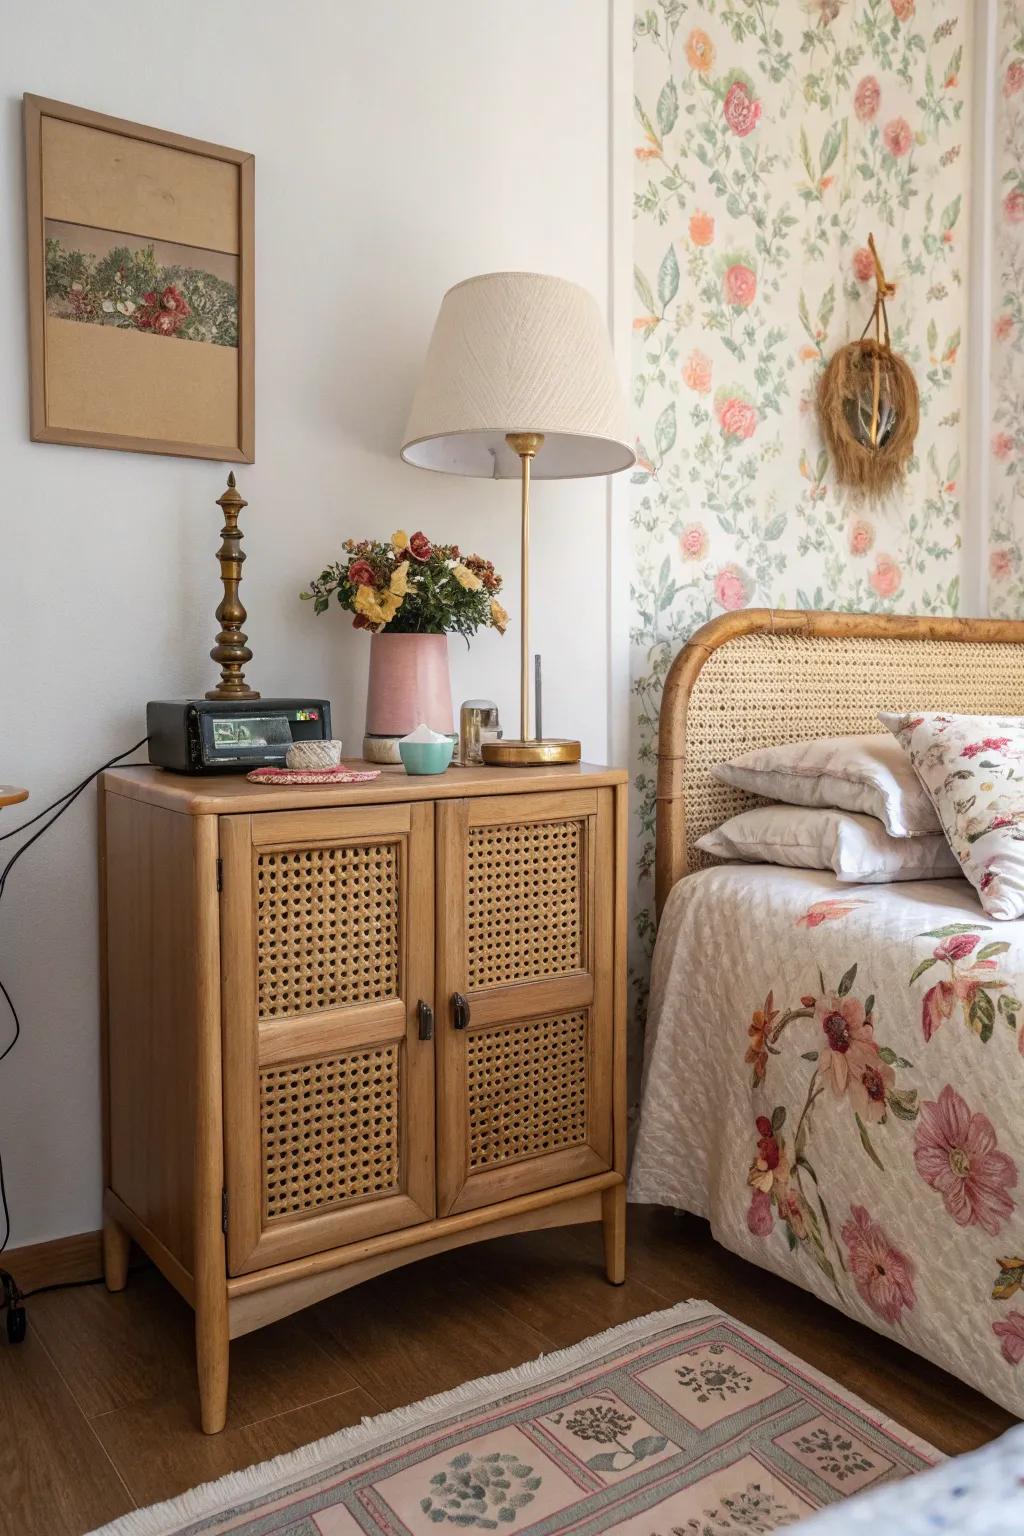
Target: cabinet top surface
[231,793]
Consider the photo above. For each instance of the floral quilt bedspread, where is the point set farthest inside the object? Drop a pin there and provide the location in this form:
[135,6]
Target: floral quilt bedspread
[834,1075]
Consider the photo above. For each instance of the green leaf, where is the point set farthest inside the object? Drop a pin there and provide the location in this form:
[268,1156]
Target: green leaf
[952,928]
[950,213]
[776,527]
[665,430]
[1011,1278]
[869,1005]
[933,336]
[604,1461]
[668,107]
[981,1015]
[920,970]
[890,1058]
[778,1118]
[865,1142]
[846,980]
[989,950]
[903,1103]
[668,278]
[809,1056]
[830,148]
[644,291]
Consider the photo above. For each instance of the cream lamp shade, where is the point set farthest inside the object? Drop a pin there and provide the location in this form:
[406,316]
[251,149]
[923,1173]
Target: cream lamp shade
[517,352]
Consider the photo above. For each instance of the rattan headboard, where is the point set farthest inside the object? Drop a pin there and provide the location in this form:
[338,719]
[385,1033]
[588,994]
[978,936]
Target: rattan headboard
[766,676]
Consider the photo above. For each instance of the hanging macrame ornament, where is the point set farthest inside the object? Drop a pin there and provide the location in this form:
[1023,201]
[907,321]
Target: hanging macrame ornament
[868,403]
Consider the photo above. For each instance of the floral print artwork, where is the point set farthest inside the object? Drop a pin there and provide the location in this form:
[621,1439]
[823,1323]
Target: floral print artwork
[1006,571]
[971,988]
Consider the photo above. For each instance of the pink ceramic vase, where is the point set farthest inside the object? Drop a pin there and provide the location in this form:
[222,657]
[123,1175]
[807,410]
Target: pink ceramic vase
[410,684]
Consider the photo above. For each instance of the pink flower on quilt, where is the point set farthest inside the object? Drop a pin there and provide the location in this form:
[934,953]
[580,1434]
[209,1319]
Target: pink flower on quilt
[936,1007]
[883,1275]
[989,744]
[760,1218]
[870,1082]
[957,946]
[849,1041]
[827,911]
[1010,1332]
[955,1152]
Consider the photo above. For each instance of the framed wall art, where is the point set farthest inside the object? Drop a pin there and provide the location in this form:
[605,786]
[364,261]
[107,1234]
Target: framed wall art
[140,286]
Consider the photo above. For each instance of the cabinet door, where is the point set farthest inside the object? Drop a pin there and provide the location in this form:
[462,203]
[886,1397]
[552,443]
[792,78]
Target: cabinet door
[327,946]
[525,904]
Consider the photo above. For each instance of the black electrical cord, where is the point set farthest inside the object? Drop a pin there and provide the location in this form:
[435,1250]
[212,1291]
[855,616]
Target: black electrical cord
[63,802]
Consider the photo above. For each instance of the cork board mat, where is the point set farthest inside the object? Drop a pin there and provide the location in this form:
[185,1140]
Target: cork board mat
[141,286]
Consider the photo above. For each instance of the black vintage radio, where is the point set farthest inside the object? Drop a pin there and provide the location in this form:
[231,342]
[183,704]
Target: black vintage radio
[214,736]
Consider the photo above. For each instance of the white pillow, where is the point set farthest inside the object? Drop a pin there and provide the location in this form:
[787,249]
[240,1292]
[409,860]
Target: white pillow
[973,768]
[866,774]
[855,847]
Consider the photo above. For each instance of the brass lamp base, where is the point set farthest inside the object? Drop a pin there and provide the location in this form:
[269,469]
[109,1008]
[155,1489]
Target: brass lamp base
[529,754]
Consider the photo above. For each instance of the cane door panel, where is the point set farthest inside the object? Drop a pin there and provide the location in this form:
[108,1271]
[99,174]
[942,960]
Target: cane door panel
[327,954]
[525,938]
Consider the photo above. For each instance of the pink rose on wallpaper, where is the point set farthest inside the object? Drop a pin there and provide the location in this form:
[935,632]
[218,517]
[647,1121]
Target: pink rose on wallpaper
[1004,328]
[739,285]
[1000,564]
[1002,445]
[697,372]
[903,10]
[863,264]
[1013,206]
[882,1273]
[955,1152]
[866,98]
[897,137]
[693,541]
[741,108]
[736,416]
[862,536]
[732,588]
[1013,80]
[886,578]
[1010,1333]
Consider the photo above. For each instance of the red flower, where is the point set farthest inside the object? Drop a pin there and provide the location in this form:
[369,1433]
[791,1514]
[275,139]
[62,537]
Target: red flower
[361,574]
[739,285]
[866,98]
[989,744]
[420,547]
[742,110]
[759,1217]
[1013,206]
[898,137]
[903,10]
[863,264]
[172,299]
[737,418]
[883,1275]
[732,588]
[1002,445]
[1013,81]
[165,323]
[957,946]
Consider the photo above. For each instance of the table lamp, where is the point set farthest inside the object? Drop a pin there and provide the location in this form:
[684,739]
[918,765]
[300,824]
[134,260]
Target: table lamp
[520,379]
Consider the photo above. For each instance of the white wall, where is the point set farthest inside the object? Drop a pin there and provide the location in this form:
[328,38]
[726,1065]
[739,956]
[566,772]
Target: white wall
[399,147]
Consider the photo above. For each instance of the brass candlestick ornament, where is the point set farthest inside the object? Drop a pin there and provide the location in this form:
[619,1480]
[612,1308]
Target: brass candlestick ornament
[231,650]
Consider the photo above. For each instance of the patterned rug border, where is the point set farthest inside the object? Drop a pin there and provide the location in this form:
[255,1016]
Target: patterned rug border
[269,1478]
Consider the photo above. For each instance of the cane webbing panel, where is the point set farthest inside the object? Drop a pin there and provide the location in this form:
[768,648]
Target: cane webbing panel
[327,927]
[524,902]
[527,1089]
[763,690]
[330,1131]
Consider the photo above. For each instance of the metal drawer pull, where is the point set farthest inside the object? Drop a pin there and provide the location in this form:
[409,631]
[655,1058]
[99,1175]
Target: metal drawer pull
[461,1010]
[426,1014]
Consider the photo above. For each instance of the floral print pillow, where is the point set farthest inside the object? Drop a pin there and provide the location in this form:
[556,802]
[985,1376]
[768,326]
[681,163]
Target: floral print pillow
[973,769]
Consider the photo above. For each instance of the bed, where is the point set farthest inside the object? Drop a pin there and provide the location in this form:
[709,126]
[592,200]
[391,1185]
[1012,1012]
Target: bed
[902,1201]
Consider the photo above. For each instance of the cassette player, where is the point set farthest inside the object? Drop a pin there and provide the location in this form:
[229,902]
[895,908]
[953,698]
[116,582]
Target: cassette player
[214,736]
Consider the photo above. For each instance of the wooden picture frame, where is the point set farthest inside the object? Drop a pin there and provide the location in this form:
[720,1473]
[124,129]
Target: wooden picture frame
[149,372]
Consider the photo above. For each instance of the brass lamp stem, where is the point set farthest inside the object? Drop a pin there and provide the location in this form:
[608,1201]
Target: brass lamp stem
[231,650]
[526,444]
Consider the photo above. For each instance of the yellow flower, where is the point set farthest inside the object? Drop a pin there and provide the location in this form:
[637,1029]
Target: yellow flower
[390,602]
[465,578]
[400,579]
[499,616]
[365,602]
[400,539]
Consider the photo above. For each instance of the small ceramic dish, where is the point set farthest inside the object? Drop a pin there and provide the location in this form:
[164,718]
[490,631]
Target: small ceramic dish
[426,756]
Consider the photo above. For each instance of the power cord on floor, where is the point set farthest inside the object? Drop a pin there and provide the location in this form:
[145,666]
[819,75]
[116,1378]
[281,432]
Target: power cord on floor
[11,1298]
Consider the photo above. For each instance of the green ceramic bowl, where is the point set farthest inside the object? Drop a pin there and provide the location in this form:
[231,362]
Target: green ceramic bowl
[426,756]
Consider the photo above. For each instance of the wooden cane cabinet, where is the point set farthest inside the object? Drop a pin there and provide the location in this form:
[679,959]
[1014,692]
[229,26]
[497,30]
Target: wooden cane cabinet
[349,1026]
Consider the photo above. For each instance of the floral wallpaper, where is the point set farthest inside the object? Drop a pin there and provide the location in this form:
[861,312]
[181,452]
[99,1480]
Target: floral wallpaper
[771,137]
[1006,570]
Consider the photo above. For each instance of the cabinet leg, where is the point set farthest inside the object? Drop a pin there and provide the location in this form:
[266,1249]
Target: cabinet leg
[116,1245]
[212,1351]
[613,1220]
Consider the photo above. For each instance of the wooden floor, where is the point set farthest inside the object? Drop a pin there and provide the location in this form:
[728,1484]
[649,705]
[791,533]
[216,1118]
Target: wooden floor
[99,1409]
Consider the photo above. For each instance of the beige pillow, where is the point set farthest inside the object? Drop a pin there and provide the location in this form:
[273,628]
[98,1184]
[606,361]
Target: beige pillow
[865,774]
[973,768]
[855,847]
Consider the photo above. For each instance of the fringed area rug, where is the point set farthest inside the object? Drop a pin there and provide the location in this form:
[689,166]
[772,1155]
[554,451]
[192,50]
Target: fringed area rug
[683,1423]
